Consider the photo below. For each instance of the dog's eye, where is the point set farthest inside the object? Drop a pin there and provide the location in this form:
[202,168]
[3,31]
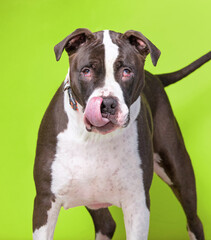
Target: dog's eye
[86,72]
[126,74]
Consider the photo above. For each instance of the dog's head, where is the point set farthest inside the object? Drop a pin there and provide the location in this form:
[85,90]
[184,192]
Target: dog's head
[106,74]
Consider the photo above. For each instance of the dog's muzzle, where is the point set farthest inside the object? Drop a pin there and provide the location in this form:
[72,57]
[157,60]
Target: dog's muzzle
[103,115]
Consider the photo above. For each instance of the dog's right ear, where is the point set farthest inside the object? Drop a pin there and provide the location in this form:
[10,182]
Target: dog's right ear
[72,42]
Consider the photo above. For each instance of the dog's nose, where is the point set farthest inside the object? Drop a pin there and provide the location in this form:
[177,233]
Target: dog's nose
[108,106]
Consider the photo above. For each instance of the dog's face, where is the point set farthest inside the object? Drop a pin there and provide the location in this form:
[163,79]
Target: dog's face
[106,74]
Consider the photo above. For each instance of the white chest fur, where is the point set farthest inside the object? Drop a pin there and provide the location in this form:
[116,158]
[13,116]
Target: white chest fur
[90,168]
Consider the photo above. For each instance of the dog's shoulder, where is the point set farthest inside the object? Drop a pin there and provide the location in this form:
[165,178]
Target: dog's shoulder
[54,120]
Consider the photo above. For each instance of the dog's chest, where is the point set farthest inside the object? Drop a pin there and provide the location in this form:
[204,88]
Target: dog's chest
[98,170]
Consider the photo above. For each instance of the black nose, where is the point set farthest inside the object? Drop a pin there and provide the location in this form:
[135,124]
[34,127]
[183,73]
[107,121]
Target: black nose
[108,106]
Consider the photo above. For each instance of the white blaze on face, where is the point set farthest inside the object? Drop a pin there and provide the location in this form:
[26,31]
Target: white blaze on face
[111,54]
[111,86]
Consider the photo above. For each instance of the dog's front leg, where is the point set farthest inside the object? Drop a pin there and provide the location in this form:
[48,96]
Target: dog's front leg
[136,218]
[46,211]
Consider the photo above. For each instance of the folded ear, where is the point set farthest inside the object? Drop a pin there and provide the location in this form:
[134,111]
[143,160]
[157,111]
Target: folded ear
[72,42]
[143,45]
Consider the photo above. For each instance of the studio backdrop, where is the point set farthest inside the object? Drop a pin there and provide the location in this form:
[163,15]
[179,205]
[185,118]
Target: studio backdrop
[30,75]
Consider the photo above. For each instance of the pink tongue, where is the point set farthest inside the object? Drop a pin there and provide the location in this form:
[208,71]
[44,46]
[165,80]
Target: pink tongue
[93,112]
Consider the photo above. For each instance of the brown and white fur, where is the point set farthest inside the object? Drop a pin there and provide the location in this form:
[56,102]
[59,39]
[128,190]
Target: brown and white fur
[104,153]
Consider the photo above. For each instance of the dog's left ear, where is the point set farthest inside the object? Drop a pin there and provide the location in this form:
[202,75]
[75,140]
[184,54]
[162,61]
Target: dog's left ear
[143,45]
[73,41]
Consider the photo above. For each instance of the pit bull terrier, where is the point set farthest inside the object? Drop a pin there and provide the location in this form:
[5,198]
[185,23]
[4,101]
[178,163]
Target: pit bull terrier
[108,127]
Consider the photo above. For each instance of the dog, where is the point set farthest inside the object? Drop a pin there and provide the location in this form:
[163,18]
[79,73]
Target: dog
[107,129]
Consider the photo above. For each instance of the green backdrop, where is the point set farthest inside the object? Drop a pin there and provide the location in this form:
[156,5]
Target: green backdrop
[30,75]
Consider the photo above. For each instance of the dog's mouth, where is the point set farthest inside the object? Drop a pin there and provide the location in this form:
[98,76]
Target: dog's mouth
[98,120]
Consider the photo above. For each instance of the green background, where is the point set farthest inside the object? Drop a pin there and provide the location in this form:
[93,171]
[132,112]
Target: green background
[30,75]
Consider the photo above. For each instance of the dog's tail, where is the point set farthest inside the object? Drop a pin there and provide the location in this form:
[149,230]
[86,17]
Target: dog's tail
[173,77]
